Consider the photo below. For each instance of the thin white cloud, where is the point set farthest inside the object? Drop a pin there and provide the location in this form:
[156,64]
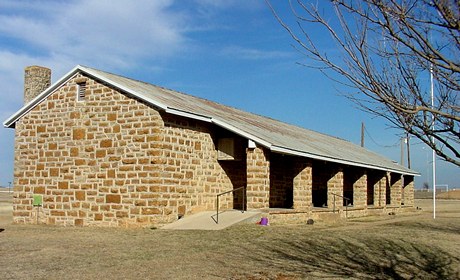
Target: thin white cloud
[239,52]
[11,78]
[106,32]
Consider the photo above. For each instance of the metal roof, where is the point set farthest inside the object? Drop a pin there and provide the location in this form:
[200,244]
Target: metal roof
[275,135]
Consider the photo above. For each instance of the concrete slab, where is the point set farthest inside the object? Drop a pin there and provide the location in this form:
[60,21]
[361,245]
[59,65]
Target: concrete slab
[206,220]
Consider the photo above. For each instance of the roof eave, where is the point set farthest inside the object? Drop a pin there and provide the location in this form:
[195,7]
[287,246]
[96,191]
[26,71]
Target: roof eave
[242,133]
[288,151]
[189,115]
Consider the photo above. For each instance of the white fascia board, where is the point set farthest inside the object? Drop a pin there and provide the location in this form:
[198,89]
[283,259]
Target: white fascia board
[188,115]
[34,102]
[123,88]
[340,161]
[242,133]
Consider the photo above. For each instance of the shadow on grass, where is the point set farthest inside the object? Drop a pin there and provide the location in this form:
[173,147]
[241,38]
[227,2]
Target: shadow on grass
[452,227]
[363,259]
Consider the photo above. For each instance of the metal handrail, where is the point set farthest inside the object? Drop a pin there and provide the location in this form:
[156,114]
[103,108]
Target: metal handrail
[227,192]
[346,204]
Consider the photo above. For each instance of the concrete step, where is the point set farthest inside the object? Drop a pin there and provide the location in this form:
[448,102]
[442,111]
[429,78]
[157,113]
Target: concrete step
[206,220]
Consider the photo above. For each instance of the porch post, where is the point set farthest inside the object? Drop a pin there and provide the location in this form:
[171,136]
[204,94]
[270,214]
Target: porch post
[258,178]
[335,186]
[302,195]
[360,191]
[380,191]
[396,188]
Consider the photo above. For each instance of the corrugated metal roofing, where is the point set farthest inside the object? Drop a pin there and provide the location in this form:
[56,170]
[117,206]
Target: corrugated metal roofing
[275,135]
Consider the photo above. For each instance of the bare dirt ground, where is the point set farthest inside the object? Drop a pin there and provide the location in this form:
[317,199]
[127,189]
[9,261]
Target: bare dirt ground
[409,246]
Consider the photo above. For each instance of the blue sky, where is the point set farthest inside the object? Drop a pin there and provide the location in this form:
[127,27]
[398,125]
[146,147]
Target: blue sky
[233,52]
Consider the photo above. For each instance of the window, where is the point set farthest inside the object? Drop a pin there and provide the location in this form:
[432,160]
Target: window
[225,149]
[81,88]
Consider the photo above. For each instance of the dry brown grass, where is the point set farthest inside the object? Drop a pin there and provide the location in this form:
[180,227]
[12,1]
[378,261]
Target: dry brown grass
[391,247]
[455,194]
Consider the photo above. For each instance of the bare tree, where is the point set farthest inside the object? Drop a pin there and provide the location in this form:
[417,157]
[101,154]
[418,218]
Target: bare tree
[387,49]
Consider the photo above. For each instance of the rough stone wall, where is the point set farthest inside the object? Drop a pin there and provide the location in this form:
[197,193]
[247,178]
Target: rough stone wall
[360,190]
[355,186]
[375,188]
[111,161]
[380,191]
[303,182]
[258,178]
[335,186]
[396,189]
[190,171]
[36,80]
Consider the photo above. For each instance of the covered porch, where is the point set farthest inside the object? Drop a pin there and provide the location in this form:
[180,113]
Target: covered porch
[288,186]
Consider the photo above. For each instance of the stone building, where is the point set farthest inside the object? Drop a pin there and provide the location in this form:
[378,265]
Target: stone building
[104,150]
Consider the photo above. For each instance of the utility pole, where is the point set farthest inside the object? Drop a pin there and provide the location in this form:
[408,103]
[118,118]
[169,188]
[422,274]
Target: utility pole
[402,151]
[408,150]
[362,134]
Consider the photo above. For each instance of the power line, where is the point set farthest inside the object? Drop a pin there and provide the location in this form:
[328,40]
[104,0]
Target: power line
[378,144]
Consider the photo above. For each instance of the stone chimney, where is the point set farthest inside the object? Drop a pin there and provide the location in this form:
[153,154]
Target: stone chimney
[36,80]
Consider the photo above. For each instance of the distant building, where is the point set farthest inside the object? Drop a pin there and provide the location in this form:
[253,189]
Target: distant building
[106,150]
